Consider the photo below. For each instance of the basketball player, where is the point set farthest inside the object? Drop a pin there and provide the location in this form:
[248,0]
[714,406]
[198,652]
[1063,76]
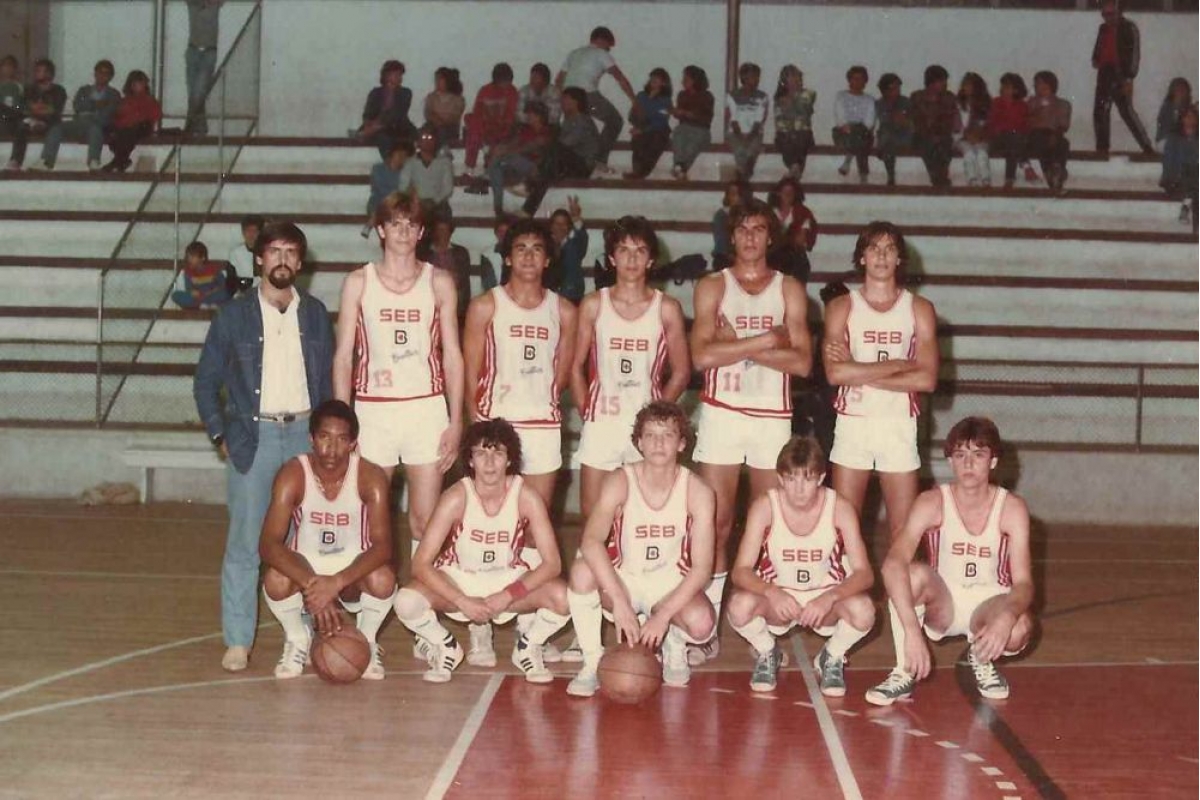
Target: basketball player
[750,337]
[398,358]
[880,351]
[791,569]
[978,582]
[327,537]
[479,527]
[647,550]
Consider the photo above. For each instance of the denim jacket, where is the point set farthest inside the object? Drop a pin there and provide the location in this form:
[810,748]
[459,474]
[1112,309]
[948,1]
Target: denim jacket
[232,360]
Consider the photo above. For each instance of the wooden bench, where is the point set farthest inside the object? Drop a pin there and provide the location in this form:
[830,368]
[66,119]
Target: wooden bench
[149,458]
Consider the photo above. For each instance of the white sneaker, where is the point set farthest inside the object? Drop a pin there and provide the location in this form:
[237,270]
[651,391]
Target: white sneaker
[291,663]
[527,657]
[375,670]
[698,654]
[573,654]
[481,652]
[93,166]
[585,684]
[443,659]
[421,649]
[676,671]
[235,659]
[551,654]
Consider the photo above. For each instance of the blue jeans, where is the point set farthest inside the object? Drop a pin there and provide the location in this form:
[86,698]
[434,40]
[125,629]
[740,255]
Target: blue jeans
[506,170]
[201,64]
[87,128]
[249,498]
[610,120]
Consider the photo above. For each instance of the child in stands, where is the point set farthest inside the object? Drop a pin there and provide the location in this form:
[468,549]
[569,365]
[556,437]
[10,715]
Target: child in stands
[204,284]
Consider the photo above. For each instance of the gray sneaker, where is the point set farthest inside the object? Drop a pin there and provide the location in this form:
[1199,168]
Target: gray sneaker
[897,686]
[988,680]
[766,668]
[832,672]
[585,684]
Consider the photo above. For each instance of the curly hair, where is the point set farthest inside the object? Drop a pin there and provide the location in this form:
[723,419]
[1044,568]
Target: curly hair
[491,434]
[662,411]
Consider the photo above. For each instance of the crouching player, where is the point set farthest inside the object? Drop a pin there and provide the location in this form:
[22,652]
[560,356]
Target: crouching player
[480,575]
[327,538]
[647,550]
[978,582]
[791,569]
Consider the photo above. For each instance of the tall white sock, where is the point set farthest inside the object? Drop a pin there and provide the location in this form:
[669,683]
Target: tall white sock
[545,624]
[714,592]
[290,613]
[844,637]
[756,633]
[525,622]
[898,637]
[414,611]
[374,612]
[587,618]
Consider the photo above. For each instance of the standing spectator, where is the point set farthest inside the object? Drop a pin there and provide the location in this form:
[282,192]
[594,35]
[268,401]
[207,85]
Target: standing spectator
[432,175]
[650,123]
[541,90]
[450,257]
[1169,131]
[241,256]
[493,118]
[12,104]
[516,161]
[1190,166]
[584,68]
[787,200]
[44,100]
[267,362]
[573,155]
[394,174]
[444,106]
[204,281]
[894,113]
[746,109]
[974,100]
[565,273]
[201,60]
[854,122]
[136,117]
[385,115]
[722,252]
[1049,121]
[694,110]
[935,121]
[1008,124]
[793,119]
[488,277]
[94,105]
[1115,58]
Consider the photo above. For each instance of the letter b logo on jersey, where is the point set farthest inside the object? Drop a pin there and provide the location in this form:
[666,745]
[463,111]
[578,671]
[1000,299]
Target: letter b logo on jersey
[652,553]
[401,337]
[626,366]
[530,352]
[328,537]
[489,556]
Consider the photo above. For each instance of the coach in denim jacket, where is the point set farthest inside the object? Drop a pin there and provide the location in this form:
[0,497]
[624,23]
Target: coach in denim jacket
[271,351]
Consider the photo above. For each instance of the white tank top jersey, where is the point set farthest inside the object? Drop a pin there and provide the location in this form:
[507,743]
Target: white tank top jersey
[483,542]
[324,527]
[879,336]
[752,389]
[627,362]
[651,541]
[520,362]
[803,561]
[397,344]
[967,559]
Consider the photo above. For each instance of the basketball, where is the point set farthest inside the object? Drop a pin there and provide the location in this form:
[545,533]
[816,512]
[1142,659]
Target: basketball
[629,674]
[342,657]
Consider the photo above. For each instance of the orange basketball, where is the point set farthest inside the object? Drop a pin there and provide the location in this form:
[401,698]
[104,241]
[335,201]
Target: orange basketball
[342,657]
[629,673]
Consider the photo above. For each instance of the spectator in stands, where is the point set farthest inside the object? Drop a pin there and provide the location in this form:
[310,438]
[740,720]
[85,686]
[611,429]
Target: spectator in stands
[444,106]
[201,59]
[722,252]
[854,122]
[241,256]
[572,155]
[790,255]
[793,119]
[971,141]
[584,68]
[488,276]
[787,200]
[394,174]
[935,121]
[204,283]
[516,160]
[444,254]
[650,123]
[432,176]
[1049,121]
[493,118]
[895,132]
[12,104]
[565,273]
[541,90]
[385,115]
[1190,166]
[746,109]
[694,110]
[94,106]
[1169,131]
[136,117]
[44,99]
[1008,124]
[1115,58]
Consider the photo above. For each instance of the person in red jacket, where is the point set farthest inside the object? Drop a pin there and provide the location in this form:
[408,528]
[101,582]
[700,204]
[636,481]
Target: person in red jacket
[493,117]
[135,119]
[1008,124]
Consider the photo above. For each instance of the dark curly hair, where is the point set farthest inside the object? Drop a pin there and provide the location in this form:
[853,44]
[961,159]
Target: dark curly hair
[663,411]
[491,434]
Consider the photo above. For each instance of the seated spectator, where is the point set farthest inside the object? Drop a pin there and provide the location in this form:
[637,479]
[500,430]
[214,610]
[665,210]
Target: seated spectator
[540,90]
[722,252]
[493,117]
[895,132]
[44,101]
[971,142]
[793,119]
[444,254]
[516,160]
[12,105]
[1008,124]
[854,122]
[1049,121]
[746,109]
[394,174]
[385,115]
[444,107]
[791,255]
[241,257]
[432,176]
[204,282]
[136,117]
[583,68]
[1170,132]
[694,108]
[94,106]
[573,154]
[787,199]
[935,121]
[487,270]
[565,273]
[650,123]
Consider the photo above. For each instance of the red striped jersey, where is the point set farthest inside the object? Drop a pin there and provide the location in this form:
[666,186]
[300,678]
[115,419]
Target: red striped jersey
[810,560]
[397,344]
[645,540]
[964,558]
[520,363]
[627,362]
[325,528]
[483,542]
[750,388]
[879,336]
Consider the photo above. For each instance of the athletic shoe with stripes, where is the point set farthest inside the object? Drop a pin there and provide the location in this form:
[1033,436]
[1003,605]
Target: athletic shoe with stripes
[375,670]
[766,668]
[699,654]
[988,680]
[527,657]
[832,672]
[898,685]
[291,663]
[481,652]
[443,659]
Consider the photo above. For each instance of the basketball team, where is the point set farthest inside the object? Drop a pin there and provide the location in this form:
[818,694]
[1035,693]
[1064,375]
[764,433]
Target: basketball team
[653,557]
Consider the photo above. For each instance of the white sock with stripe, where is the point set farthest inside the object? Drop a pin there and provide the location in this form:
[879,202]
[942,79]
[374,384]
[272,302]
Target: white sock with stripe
[587,617]
[414,611]
[545,624]
[290,613]
[374,612]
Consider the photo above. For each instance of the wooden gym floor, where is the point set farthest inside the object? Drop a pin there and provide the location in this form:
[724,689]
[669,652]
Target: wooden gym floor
[111,686]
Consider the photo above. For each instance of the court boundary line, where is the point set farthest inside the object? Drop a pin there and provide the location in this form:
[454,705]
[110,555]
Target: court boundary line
[38,573]
[829,732]
[470,729]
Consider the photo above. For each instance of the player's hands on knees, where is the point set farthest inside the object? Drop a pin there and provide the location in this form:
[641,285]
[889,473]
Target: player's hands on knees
[783,605]
[498,603]
[448,446]
[626,622]
[321,591]
[475,609]
[653,631]
[917,661]
[327,619]
[817,610]
[992,639]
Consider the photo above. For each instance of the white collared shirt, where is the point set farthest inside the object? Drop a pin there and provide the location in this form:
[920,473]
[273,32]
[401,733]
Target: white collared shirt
[284,388]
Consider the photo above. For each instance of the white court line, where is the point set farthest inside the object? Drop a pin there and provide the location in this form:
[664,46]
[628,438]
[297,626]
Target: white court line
[1029,665]
[158,576]
[104,518]
[833,743]
[470,729]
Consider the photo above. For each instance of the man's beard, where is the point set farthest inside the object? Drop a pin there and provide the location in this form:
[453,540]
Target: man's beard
[281,278]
